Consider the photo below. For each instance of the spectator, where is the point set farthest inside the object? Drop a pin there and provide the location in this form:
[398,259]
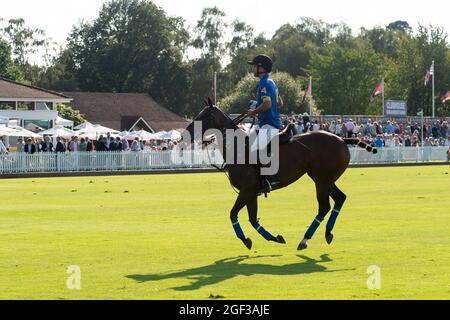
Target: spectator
[407,141]
[100,144]
[73,145]
[349,125]
[315,126]
[338,131]
[38,145]
[444,129]
[435,130]
[30,147]
[125,145]
[305,118]
[89,145]
[47,146]
[389,128]
[108,140]
[112,144]
[300,128]
[20,145]
[82,147]
[378,128]
[3,148]
[378,142]
[66,144]
[135,146]
[119,144]
[60,145]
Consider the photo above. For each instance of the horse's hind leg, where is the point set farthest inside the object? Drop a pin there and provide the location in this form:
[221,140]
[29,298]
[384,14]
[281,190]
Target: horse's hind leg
[323,197]
[339,198]
[252,208]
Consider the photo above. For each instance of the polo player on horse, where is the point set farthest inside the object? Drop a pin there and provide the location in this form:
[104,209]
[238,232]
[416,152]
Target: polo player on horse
[268,113]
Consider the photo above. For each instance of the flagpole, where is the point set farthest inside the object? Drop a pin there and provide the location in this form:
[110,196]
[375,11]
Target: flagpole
[382,95]
[432,86]
[215,88]
[310,96]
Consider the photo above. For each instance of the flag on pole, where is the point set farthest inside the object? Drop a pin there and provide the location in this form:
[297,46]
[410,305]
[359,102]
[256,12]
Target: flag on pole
[377,91]
[445,97]
[428,75]
[308,91]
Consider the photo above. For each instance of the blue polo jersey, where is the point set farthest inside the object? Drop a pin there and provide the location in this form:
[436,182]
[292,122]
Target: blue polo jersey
[268,91]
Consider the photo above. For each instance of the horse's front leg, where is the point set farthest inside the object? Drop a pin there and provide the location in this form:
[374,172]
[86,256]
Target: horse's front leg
[252,208]
[241,202]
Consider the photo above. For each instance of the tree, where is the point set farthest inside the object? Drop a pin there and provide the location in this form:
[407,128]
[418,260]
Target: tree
[238,100]
[293,45]
[133,46]
[25,43]
[344,78]
[210,31]
[24,40]
[68,113]
[399,25]
[60,75]
[7,68]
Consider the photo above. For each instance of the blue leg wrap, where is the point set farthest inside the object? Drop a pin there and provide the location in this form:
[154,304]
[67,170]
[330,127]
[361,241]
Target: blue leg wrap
[237,228]
[313,227]
[333,217]
[266,234]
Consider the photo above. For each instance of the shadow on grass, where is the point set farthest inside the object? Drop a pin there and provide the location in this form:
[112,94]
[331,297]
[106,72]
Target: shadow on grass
[229,268]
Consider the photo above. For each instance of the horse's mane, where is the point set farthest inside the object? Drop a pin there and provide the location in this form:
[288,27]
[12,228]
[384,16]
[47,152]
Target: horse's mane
[229,118]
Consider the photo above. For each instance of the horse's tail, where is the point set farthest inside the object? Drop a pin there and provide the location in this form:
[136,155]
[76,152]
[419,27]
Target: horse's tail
[361,144]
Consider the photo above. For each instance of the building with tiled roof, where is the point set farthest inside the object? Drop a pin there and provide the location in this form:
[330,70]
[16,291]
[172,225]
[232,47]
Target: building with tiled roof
[125,111]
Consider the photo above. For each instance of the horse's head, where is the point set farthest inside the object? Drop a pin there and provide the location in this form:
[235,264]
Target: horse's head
[210,117]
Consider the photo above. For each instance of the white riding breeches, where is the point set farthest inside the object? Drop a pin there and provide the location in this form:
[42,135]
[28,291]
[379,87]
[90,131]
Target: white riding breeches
[265,135]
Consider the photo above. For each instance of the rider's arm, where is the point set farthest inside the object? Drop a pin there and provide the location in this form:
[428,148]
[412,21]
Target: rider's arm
[266,105]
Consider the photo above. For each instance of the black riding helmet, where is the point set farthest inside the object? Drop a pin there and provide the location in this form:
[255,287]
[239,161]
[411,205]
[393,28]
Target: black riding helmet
[263,61]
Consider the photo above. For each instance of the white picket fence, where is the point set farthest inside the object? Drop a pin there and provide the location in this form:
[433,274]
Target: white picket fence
[112,161]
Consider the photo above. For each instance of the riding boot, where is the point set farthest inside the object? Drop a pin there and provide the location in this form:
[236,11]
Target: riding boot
[268,183]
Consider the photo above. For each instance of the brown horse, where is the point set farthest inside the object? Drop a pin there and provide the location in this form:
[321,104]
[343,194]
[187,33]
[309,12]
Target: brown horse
[322,155]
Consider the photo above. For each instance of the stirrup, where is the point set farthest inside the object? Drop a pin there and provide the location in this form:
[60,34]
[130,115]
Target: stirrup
[268,186]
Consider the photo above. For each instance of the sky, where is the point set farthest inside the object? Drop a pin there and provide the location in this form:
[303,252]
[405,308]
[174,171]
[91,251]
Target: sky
[56,17]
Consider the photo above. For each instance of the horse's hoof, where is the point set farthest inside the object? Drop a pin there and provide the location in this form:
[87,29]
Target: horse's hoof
[248,243]
[329,237]
[302,246]
[280,239]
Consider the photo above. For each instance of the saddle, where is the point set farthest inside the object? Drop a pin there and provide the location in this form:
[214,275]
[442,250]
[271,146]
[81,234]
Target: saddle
[286,134]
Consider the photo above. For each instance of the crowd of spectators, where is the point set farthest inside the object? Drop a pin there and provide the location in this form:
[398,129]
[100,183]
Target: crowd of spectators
[378,133]
[373,131]
[77,144]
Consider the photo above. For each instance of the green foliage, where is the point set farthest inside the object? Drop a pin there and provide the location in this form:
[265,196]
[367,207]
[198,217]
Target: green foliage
[238,100]
[8,69]
[26,43]
[68,113]
[133,46]
[343,79]
[210,31]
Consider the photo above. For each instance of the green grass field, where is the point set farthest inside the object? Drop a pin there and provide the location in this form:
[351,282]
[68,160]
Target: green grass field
[169,237]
